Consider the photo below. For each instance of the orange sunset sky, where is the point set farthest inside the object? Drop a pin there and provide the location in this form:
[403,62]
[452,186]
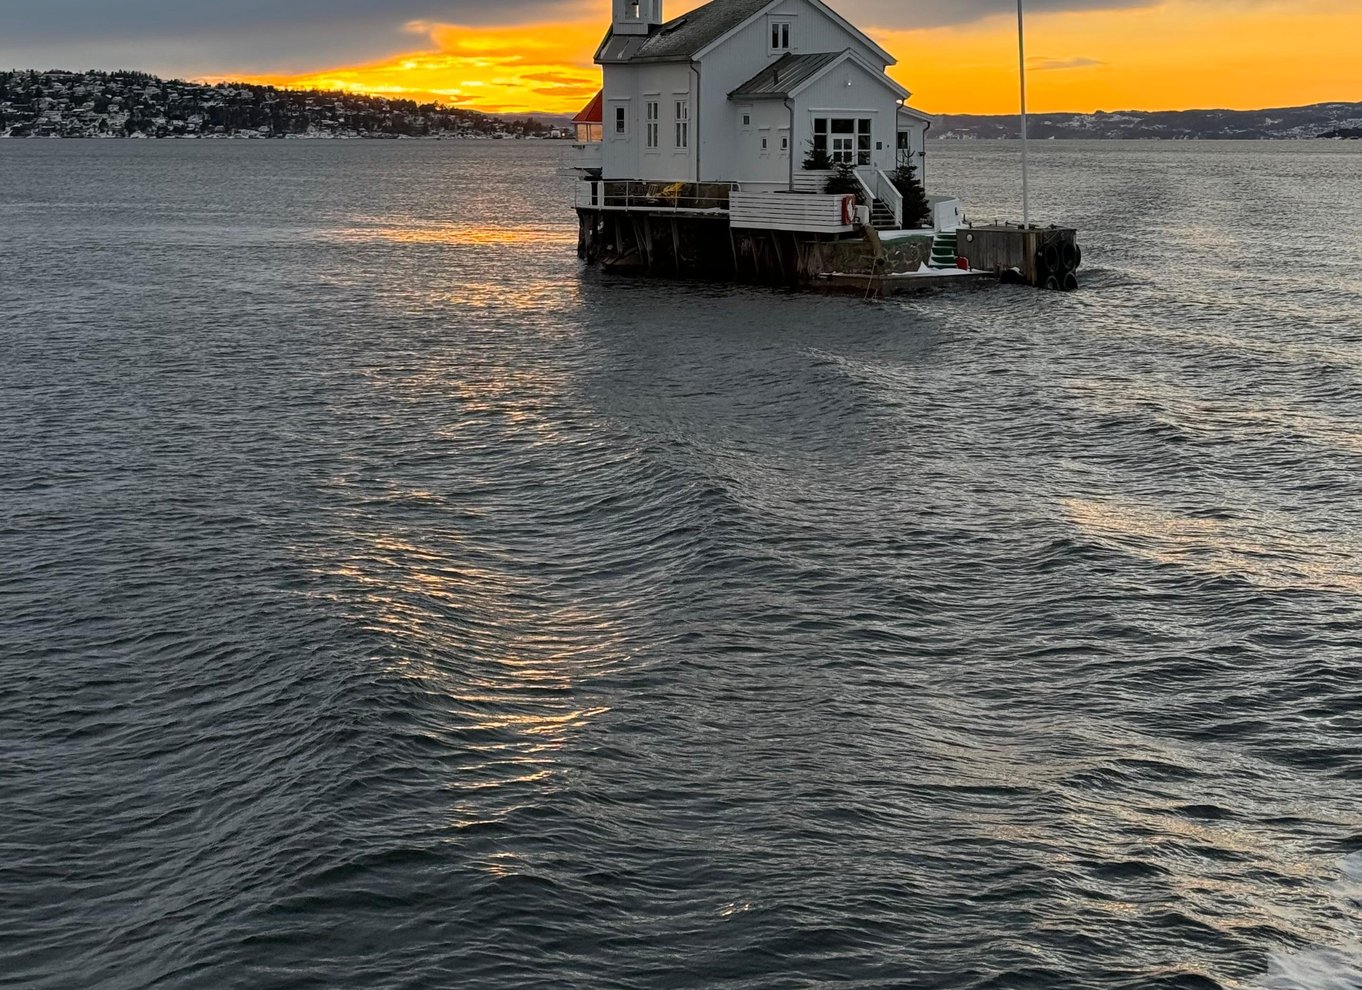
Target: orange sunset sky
[1124,54]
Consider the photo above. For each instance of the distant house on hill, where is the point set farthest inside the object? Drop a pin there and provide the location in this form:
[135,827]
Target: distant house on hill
[741,91]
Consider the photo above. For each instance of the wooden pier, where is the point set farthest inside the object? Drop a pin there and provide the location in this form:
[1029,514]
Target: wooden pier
[719,232]
[1046,257]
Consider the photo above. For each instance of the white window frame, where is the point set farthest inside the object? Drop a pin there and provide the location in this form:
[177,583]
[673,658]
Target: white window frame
[780,35]
[653,124]
[857,144]
[617,118]
[682,121]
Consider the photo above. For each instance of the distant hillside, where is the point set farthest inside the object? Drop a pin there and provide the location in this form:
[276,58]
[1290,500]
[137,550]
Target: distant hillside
[57,103]
[1319,120]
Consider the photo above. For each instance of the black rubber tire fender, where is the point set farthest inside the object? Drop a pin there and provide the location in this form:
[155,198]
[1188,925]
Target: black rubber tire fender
[1069,282]
[1051,282]
[1042,269]
[1069,255]
[1054,261]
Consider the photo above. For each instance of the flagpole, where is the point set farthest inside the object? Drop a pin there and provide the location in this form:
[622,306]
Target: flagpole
[1021,60]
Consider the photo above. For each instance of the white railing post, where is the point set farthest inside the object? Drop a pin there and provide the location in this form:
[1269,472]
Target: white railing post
[865,187]
[892,196]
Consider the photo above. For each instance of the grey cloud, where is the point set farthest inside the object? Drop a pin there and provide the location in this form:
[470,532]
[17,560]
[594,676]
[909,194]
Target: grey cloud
[1055,64]
[194,36]
[190,36]
[57,19]
[938,13]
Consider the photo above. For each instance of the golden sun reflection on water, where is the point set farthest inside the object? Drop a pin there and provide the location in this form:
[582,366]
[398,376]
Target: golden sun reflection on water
[499,664]
[456,234]
[1268,556]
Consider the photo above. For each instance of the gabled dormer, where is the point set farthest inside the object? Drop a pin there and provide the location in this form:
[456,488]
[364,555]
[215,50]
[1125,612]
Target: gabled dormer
[636,16]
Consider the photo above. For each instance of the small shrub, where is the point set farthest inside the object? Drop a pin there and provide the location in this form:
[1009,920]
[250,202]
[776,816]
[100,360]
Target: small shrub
[817,159]
[843,180]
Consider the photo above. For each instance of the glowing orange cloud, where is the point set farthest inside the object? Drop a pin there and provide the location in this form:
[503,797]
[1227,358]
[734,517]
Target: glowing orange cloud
[1172,54]
[498,70]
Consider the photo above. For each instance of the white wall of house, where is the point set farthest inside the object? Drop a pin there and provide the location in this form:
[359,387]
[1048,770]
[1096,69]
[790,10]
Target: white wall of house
[866,98]
[815,31]
[718,146]
[741,57]
[632,88]
[762,142]
[917,143]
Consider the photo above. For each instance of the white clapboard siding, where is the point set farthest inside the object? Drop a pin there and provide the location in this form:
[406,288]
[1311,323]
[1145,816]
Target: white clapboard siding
[788,211]
[811,182]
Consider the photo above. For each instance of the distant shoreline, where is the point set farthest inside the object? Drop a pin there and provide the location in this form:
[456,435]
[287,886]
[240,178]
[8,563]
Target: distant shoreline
[481,139]
[137,105]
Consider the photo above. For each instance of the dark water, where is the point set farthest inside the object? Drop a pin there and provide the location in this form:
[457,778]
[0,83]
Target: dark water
[385,602]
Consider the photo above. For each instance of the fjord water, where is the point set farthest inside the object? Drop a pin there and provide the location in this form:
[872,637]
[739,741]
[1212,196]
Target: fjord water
[389,602]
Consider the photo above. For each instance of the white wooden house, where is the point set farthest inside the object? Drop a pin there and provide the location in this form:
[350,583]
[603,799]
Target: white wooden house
[739,91]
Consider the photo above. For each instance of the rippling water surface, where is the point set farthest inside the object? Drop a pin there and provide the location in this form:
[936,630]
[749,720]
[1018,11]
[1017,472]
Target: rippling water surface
[387,602]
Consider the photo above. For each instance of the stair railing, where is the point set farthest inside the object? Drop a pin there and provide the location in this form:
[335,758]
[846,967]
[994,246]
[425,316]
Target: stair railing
[866,188]
[878,187]
[891,196]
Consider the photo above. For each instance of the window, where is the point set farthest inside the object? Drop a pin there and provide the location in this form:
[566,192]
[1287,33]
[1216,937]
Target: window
[785,144]
[763,144]
[845,139]
[780,36]
[682,124]
[747,120]
[654,125]
[619,120]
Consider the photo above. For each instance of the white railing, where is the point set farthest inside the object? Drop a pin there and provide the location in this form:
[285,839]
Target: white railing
[946,213]
[812,181]
[877,185]
[655,197]
[818,213]
[867,190]
[891,196]
[585,155]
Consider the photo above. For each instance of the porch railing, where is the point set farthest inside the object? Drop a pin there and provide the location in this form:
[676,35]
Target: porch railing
[877,185]
[634,194]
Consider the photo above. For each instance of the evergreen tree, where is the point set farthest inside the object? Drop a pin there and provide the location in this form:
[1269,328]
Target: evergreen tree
[917,212]
[817,159]
[843,180]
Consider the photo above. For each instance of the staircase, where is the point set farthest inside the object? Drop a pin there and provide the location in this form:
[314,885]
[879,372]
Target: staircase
[881,216]
[945,249]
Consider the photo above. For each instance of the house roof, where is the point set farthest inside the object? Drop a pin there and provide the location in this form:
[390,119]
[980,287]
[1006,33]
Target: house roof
[783,76]
[681,37]
[593,112]
[791,73]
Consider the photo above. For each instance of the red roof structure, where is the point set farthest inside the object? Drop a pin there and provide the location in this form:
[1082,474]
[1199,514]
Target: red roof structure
[593,112]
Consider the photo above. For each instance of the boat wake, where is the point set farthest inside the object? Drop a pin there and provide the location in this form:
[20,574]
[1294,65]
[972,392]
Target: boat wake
[1334,967]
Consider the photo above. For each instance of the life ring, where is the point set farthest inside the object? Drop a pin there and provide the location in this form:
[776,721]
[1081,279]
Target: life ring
[848,210]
